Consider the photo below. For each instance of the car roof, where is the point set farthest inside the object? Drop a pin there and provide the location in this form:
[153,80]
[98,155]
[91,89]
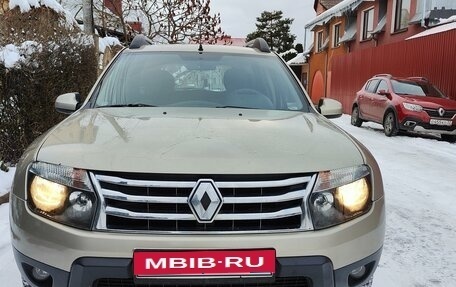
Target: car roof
[195,48]
[258,46]
[409,79]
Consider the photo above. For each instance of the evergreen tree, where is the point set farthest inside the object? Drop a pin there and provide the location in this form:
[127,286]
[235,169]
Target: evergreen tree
[275,29]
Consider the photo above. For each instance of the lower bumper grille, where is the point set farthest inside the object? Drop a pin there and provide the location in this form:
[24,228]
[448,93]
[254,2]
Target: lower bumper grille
[280,282]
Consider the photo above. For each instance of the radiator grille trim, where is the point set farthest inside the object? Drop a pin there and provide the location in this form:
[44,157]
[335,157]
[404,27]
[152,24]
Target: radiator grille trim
[127,202]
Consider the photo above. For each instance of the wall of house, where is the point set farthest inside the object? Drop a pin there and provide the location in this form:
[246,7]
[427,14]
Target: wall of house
[388,36]
[431,57]
[320,62]
[320,9]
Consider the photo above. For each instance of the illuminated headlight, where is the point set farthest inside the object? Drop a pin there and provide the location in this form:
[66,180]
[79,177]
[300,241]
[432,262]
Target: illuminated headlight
[340,195]
[412,107]
[62,194]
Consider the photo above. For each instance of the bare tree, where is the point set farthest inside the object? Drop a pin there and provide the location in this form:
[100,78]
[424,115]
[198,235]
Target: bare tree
[181,20]
[166,21]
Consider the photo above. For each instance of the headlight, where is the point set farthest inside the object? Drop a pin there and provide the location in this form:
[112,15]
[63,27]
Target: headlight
[62,194]
[340,195]
[412,107]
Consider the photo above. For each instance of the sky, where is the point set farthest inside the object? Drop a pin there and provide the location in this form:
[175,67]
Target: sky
[420,238]
[239,16]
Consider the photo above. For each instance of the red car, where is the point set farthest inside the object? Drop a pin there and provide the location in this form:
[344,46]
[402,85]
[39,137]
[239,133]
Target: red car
[405,104]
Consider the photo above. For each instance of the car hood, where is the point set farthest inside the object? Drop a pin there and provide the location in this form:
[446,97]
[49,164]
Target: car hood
[432,102]
[198,141]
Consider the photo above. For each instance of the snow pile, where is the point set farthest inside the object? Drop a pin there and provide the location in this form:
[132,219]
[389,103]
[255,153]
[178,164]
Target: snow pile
[27,5]
[6,178]
[9,274]
[291,51]
[447,20]
[107,42]
[11,55]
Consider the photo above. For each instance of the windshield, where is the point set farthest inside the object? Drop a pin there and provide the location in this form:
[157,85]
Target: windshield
[416,89]
[200,80]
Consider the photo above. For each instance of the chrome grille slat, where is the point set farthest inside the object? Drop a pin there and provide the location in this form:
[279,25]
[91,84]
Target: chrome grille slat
[160,203]
[147,216]
[172,216]
[182,200]
[142,199]
[191,184]
[266,199]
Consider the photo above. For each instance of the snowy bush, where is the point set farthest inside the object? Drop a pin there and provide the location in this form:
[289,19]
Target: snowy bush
[42,55]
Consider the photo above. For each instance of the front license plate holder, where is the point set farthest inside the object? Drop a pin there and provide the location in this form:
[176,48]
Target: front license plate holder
[439,122]
[204,265]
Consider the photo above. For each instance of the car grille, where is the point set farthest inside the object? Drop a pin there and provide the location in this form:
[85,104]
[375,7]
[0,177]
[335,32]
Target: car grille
[279,282]
[435,114]
[150,203]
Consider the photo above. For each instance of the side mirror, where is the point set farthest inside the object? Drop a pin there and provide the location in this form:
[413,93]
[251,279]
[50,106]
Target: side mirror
[68,103]
[383,93]
[330,108]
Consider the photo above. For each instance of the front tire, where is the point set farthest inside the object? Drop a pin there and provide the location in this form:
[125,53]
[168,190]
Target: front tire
[355,120]
[390,124]
[449,138]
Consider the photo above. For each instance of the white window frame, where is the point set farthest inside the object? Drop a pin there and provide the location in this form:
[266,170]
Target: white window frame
[335,43]
[394,25]
[320,41]
[366,32]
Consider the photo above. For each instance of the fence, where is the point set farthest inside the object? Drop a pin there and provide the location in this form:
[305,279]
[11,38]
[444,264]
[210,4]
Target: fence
[433,57]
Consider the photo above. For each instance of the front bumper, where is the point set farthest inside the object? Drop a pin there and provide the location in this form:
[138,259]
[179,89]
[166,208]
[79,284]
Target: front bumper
[102,272]
[71,255]
[415,124]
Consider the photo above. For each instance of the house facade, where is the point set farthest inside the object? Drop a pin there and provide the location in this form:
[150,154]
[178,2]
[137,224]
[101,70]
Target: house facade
[351,26]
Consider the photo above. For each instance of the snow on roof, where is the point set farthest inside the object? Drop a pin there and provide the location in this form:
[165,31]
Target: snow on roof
[298,60]
[335,11]
[291,51]
[27,5]
[435,30]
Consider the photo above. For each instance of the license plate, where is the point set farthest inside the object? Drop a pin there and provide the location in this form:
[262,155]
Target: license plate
[224,263]
[440,122]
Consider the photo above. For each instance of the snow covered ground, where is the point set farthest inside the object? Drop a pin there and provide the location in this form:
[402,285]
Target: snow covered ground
[420,182]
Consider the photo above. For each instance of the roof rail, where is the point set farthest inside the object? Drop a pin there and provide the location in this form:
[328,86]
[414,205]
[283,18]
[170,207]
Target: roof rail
[139,41]
[424,79]
[260,44]
[384,75]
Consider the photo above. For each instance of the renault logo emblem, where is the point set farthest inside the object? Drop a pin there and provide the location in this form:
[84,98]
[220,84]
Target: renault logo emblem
[441,112]
[205,200]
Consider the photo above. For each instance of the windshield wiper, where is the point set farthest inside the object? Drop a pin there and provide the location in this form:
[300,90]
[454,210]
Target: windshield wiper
[126,105]
[236,107]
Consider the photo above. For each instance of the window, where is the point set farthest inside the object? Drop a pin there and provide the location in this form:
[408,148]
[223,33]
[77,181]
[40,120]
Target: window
[371,86]
[368,24]
[402,15]
[382,86]
[336,35]
[187,79]
[319,41]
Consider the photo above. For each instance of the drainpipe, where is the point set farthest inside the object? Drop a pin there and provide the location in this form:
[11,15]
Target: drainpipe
[423,15]
[305,40]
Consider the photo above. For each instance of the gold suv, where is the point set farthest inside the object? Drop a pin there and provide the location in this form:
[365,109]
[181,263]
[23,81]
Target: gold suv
[197,165]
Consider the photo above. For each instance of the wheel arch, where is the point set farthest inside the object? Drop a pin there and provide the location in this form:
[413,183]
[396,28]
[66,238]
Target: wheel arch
[391,109]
